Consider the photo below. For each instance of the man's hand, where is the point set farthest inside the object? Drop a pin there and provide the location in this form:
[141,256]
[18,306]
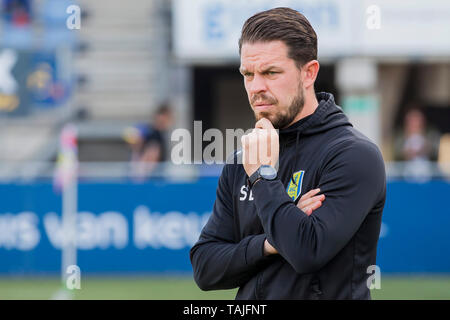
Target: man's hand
[310,202]
[260,147]
[268,249]
[307,203]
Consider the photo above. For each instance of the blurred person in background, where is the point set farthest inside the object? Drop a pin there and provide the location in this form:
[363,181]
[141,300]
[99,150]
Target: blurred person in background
[17,12]
[148,142]
[417,145]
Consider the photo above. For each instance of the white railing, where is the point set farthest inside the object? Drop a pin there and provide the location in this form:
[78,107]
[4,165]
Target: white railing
[30,171]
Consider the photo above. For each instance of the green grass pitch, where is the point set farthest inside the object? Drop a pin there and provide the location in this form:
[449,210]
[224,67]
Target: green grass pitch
[183,287]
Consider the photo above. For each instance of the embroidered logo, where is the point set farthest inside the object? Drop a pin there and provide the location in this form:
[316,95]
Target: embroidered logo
[294,189]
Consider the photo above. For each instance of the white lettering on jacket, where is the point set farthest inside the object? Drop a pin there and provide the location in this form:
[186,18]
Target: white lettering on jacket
[244,194]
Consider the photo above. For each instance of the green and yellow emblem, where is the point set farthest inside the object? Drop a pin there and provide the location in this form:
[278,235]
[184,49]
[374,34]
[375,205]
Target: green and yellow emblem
[294,189]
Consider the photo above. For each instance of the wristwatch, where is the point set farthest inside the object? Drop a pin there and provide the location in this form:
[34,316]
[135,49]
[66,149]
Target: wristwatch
[265,172]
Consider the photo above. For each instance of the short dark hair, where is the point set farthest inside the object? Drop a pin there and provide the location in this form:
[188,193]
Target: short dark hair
[163,109]
[287,25]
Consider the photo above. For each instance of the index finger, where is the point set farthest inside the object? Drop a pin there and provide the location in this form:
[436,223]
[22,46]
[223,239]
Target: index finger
[310,194]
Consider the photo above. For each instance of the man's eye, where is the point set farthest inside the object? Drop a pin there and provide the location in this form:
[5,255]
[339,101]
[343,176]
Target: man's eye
[247,74]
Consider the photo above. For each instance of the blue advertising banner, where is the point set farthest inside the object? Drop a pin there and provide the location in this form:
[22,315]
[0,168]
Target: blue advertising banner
[150,227]
[415,231]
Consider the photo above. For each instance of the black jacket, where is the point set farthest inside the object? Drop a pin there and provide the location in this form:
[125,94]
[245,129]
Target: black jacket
[322,256]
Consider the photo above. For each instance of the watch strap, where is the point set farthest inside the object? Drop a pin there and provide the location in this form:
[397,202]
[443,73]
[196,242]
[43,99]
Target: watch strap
[253,178]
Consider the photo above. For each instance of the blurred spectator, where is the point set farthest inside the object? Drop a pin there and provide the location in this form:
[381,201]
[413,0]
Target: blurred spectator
[148,142]
[417,145]
[17,12]
[417,140]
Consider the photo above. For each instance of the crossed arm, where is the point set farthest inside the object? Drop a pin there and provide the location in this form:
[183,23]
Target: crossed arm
[221,263]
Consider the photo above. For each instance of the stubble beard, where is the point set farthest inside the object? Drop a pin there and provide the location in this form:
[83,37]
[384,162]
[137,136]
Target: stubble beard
[284,118]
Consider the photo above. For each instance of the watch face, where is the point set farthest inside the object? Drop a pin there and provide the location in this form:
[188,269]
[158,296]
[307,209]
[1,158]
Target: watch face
[268,172]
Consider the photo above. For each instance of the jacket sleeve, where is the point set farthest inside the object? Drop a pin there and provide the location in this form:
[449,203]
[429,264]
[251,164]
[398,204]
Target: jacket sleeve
[353,182]
[220,261]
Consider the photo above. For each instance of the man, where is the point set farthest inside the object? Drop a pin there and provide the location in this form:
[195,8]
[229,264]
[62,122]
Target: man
[258,238]
[147,142]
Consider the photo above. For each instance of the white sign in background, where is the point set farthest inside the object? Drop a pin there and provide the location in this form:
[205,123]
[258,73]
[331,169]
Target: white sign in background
[210,29]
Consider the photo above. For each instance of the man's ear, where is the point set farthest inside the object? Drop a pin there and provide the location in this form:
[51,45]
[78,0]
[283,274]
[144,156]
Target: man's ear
[309,73]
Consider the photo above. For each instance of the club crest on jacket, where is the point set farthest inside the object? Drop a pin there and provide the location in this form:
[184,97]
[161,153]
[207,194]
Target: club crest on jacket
[294,189]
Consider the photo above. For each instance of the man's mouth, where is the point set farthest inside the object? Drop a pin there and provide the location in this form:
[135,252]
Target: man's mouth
[262,106]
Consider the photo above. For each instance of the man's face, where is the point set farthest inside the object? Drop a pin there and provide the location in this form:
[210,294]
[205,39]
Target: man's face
[272,81]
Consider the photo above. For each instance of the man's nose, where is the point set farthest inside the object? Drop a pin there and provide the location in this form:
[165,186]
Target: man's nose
[257,85]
